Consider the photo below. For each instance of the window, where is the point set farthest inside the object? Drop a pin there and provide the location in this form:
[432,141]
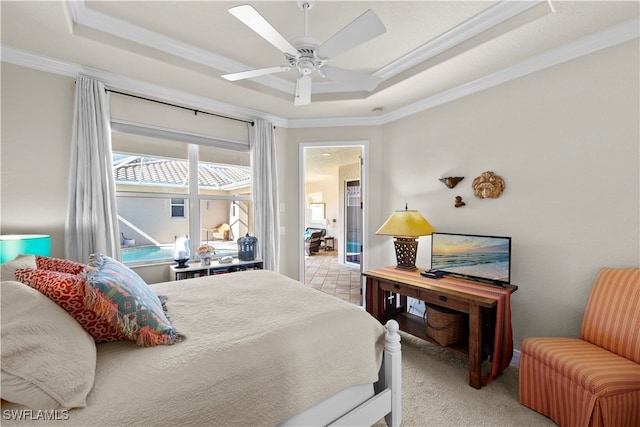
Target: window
[177,208]
[154,192]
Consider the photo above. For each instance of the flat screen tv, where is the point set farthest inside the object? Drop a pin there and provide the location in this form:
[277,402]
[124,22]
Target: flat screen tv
[482,258]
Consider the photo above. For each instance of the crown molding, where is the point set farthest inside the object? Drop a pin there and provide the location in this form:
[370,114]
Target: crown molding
[84,16]
[495,15]
[335,122]
[587,45]
[483,21]
[607,38]
[127,84]
[39,62]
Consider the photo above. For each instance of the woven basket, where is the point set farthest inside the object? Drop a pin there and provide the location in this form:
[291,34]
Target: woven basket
[444,326]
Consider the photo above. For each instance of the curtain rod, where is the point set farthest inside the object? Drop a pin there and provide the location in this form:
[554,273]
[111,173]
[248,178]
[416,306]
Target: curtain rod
[179,106]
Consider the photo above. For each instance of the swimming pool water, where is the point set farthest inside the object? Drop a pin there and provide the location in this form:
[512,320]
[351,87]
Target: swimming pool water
[147,253]
[353,247]
[159,253]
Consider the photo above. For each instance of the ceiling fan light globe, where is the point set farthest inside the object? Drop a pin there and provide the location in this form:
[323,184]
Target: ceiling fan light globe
[305,67]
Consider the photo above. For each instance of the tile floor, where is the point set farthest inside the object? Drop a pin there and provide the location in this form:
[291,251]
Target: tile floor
[323,272]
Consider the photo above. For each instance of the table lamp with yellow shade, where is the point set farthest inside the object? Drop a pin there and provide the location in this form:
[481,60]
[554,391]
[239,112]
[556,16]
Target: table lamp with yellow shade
[406,226]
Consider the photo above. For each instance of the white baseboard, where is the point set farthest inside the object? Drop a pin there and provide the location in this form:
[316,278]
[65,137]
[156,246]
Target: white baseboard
[515,360]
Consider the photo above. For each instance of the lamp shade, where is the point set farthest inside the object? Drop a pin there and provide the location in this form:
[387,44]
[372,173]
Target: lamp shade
[26,244]
[406,223]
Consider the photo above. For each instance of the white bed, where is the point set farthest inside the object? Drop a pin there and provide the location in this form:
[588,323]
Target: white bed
[261,349]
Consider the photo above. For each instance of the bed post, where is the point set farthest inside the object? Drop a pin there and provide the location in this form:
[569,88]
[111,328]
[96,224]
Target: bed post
[393,372]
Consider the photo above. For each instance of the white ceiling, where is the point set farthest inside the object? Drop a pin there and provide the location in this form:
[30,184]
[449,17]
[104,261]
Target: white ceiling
[322,163]
[432,51]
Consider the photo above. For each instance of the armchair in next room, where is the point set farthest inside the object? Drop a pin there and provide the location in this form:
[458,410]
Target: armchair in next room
[312,239]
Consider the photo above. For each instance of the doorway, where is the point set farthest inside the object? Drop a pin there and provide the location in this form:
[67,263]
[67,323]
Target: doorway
[326,168]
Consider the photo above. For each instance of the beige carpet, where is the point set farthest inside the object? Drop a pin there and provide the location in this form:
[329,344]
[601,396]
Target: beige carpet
[436,392]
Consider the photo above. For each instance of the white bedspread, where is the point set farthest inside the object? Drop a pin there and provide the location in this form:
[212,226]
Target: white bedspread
[260,348]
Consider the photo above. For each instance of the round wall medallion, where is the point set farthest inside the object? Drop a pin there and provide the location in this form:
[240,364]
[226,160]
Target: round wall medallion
[488,186]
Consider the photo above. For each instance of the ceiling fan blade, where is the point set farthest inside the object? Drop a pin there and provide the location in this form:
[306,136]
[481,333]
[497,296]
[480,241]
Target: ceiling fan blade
[303,91]
[356,79]
[254,73]
[252,19]
[362,29]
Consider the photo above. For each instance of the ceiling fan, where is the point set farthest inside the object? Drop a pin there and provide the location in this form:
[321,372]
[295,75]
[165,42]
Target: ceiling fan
[306,55]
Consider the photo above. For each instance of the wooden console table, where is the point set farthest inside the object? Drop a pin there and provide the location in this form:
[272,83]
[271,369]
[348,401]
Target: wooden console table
[488,308]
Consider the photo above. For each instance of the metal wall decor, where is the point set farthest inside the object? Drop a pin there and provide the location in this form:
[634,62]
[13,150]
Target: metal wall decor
[451,181]
[458,202]
[488,186]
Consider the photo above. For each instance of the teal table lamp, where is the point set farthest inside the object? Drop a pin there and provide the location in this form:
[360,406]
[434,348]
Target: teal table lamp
[12,245]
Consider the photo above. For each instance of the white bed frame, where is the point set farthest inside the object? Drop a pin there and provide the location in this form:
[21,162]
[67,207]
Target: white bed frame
[364,405]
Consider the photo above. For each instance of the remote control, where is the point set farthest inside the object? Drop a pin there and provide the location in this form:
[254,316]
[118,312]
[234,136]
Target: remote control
[433,274]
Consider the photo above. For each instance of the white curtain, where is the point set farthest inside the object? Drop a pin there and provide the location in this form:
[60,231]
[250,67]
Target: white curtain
[92,218]
[266,220]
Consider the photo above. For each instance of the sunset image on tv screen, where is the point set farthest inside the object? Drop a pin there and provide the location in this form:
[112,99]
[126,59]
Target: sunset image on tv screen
[484,257]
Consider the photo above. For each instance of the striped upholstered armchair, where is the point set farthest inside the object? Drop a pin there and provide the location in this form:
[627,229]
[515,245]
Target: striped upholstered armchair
[593,380]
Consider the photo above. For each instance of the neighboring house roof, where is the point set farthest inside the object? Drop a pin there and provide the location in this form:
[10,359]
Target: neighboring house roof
[153,171]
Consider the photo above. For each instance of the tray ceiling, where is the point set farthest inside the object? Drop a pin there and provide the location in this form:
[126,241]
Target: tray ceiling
[431,51]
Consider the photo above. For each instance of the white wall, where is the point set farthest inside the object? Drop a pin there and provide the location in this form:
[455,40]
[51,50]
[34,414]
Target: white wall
[564,139]
[327,193]
[37,112]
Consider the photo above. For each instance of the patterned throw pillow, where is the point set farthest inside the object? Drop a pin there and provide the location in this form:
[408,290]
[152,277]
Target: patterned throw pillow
[118,295]
[58,264]
[67,291]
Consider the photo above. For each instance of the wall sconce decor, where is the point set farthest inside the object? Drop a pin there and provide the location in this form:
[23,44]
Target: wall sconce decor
[488,186]
[458,202]
[451,181]
[405,226]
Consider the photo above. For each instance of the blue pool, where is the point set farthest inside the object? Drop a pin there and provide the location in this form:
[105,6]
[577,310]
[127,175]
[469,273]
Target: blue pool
[353,247]
[147,253]
[159,253]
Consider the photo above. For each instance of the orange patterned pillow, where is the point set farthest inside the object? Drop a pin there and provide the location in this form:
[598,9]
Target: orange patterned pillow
[59,264]
[67,290]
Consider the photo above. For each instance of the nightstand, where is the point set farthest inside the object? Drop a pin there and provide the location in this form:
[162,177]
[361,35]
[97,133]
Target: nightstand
[328,243]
